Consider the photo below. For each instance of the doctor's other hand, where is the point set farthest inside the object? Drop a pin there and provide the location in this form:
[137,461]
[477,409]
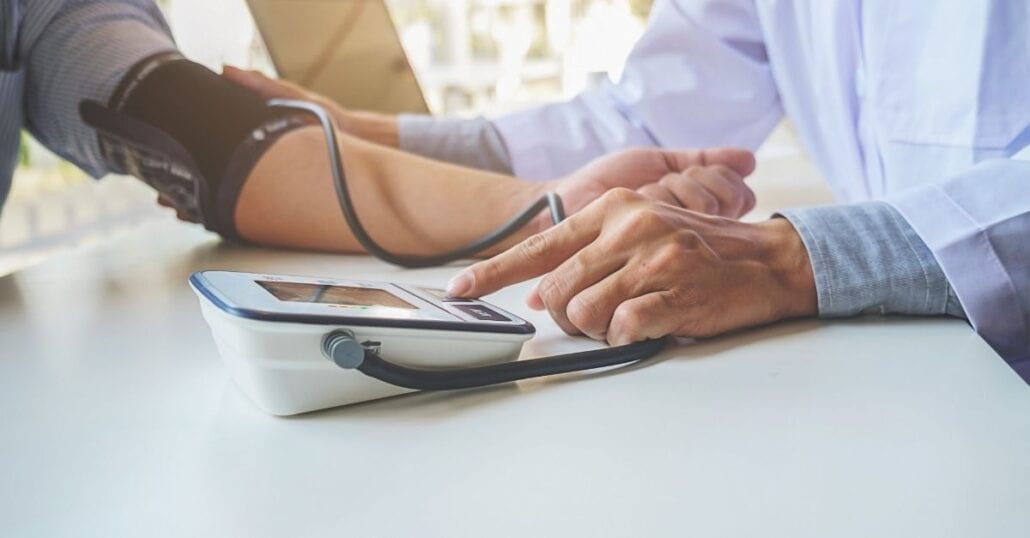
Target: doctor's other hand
[626,269]
[708,181]
[371,126]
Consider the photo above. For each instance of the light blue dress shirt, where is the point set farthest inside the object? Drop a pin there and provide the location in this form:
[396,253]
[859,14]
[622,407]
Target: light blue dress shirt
[54,54]
[921,107]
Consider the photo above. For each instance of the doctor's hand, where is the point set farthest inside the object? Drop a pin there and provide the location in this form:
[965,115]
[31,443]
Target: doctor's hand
[378,128]
[708,181]
[626,269]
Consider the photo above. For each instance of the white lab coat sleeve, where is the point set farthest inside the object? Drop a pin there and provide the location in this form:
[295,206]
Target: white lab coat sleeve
[977,224]
[698,77]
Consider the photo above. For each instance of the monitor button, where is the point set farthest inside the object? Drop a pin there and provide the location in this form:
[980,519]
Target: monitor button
[481,312]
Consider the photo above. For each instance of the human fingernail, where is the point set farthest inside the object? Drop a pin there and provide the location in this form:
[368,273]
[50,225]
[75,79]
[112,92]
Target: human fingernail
[460,284]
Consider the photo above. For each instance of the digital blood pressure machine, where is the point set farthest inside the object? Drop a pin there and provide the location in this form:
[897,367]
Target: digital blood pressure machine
[297,344]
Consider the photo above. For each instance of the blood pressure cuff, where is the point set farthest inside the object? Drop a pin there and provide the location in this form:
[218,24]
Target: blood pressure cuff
[189,134]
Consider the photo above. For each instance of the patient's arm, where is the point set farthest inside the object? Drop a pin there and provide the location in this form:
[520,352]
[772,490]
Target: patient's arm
[408,204]
[222,156]
[413,205]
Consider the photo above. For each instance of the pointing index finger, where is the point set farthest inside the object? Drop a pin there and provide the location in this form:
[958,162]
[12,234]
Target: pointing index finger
[533,257]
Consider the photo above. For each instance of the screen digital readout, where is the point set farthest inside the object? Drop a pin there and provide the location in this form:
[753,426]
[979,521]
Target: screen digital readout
[300,292]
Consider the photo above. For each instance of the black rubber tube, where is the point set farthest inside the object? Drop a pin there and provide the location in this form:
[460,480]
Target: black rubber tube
[465,378]
[549,200]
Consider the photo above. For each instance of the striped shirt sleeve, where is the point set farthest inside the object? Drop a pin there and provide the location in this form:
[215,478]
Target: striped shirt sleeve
[71,50]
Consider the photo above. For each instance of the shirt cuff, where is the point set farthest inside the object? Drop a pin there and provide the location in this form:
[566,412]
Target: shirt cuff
[867,259]
[469,142]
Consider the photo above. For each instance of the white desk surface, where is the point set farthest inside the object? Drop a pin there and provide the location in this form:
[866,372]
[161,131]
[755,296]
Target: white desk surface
[118,419]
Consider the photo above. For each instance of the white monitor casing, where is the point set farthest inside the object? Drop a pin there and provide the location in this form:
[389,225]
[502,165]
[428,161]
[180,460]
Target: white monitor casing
[280,366]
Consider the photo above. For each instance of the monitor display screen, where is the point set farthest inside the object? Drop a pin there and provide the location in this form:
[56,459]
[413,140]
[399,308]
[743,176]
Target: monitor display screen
[300,292]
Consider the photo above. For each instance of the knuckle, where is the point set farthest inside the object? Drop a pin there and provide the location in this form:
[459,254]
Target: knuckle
[619,196]
[584,314]
[629,319]
[700,174]
[710,205]
[552,289]
[669,255]
[577,313]
[670,180]
[694,172]
[641,223]
[622,237]
[646,217]
[536,247]
[725,172]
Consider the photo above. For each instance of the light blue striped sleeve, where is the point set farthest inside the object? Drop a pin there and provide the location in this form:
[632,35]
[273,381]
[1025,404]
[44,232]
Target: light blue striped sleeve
[80,49]
[867,259]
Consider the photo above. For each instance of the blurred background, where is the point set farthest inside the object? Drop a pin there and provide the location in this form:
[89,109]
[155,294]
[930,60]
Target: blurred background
[470,56]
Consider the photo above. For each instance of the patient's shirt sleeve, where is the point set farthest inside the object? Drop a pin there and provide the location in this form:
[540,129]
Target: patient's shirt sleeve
[73,50]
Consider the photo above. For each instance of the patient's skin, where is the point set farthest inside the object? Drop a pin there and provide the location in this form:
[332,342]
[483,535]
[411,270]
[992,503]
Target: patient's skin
[413,205]
[408,204]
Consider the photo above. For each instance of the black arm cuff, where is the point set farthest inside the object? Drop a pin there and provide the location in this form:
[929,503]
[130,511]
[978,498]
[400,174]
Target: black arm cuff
[189,133]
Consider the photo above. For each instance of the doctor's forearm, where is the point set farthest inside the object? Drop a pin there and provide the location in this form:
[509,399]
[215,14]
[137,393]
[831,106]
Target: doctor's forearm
[409,204]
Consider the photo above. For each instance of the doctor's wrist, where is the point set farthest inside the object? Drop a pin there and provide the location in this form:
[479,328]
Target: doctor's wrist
[787,257]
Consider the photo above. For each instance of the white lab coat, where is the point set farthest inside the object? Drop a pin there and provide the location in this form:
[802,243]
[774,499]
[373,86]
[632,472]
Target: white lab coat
[906,101]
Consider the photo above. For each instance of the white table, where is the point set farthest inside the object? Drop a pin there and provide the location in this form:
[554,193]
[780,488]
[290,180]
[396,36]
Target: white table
[118,419]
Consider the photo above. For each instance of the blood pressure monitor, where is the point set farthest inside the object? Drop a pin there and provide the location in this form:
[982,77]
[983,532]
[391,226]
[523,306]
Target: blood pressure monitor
[271,330]
[296,344]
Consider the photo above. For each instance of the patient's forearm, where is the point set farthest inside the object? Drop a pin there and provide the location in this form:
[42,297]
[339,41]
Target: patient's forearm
[408,204]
